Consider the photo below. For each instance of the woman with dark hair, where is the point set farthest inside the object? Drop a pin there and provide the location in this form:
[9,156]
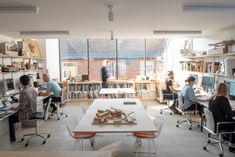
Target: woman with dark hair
[188,94]
[222,111]
[27,106]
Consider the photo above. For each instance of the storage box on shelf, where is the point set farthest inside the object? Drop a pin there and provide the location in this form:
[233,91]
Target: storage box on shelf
[121,84]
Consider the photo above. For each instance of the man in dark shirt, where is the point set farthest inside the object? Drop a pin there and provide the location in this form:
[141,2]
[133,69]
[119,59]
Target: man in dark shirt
[105,74]
[170,89]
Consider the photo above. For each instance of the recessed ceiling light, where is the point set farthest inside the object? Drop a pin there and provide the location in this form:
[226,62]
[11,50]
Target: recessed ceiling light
[207,8]
[44,32]
[19,10]
[167,32]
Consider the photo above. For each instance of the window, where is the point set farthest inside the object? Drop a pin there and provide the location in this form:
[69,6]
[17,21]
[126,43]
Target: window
[69,70]
[73,51]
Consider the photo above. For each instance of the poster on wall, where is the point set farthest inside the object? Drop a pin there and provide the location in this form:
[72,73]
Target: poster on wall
[33,49]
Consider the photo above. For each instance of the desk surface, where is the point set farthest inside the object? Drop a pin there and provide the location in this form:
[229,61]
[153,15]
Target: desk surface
[117,91]
[144,123]
[55,153]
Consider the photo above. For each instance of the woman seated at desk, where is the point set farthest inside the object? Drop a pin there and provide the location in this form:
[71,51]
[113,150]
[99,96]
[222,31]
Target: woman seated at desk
[27,106]
[188,94]
[220,107]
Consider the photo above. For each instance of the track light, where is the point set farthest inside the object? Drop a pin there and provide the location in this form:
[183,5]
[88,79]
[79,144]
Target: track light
[44,33]
[110,13]
[111,35]
[19,10]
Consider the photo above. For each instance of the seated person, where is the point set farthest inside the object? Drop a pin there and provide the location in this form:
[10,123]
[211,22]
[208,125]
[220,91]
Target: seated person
[53,89]
[171,88]
[222,111]
[188,94]
[27,106]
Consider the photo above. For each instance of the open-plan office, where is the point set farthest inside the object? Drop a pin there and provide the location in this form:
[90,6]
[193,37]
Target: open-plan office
[107,78]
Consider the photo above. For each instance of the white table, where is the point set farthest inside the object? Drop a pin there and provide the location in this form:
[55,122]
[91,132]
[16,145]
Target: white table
[117,91]
[144,123]
[55,153]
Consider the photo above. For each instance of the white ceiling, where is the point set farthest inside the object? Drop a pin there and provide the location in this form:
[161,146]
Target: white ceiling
[132,18]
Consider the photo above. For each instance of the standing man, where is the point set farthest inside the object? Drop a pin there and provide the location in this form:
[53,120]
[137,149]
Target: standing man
[53,89]
[105,74]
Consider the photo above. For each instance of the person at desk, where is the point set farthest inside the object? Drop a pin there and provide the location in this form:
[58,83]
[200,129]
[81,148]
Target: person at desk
[171,87]
[105,74]
[220,107]
[188,94]
[53,91]
[27,106]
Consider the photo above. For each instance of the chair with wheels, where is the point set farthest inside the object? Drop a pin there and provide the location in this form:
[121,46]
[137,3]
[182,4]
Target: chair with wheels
[170,100]
[71,124]
[58,105]
[34,123]
[158,122]
[185,113]
[215,136]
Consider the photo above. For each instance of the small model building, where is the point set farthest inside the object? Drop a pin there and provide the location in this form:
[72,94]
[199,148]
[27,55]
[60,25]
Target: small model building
[114,116]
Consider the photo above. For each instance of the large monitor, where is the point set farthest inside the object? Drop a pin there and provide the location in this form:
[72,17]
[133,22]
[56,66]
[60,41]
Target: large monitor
[208,82]
[232,89]
[9,86]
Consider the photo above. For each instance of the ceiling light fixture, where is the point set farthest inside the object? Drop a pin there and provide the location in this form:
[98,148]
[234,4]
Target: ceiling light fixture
[207,8]
[111,35]
[44,32]
[19,10]
[110,13]
[166,32]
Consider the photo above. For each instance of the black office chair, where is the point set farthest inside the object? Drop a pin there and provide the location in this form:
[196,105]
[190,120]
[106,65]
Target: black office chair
[170,100]
[58,105]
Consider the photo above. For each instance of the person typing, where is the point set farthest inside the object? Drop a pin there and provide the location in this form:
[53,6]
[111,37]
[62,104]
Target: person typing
[53,91]
[26,108]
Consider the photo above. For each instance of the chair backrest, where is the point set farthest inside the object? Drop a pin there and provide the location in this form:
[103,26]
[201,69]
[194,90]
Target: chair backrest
[180,106]
[209,124]
[71,124]
[46,114]
[158,122]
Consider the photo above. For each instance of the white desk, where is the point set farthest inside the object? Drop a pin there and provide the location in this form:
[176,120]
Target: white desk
[144,123]
[55,153]
[119,91]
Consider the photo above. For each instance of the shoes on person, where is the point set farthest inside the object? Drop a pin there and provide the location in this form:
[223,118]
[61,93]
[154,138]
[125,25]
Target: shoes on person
[13,140]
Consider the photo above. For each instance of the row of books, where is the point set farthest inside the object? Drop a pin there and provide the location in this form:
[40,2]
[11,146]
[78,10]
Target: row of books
[83,95]
[84,87]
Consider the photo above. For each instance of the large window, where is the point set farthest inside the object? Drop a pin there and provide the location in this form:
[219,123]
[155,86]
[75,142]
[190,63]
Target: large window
[128,59]
[74,51]
[99,50]
[130,53]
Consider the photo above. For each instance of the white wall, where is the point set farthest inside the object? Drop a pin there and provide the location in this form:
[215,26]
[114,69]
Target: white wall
[52,53]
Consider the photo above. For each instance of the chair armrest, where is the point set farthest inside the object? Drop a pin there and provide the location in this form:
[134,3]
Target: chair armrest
[224,123]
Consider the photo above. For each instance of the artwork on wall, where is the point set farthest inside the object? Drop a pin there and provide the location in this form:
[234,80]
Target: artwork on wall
[34,49]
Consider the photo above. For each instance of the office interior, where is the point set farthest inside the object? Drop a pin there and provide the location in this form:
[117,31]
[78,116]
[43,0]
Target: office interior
[142,40]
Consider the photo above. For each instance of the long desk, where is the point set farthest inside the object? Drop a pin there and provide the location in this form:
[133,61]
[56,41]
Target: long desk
[55,153]
[144,123]
[117,91]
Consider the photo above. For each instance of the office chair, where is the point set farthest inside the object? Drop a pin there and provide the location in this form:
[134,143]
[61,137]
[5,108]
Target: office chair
[71,124]
[58,104]
[185,113]
[34,123]
[169,98]
[214,134]
[158,122]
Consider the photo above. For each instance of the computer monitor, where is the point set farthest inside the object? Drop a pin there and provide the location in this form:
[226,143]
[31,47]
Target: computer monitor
[9,86]
[232,89]
[208,82]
